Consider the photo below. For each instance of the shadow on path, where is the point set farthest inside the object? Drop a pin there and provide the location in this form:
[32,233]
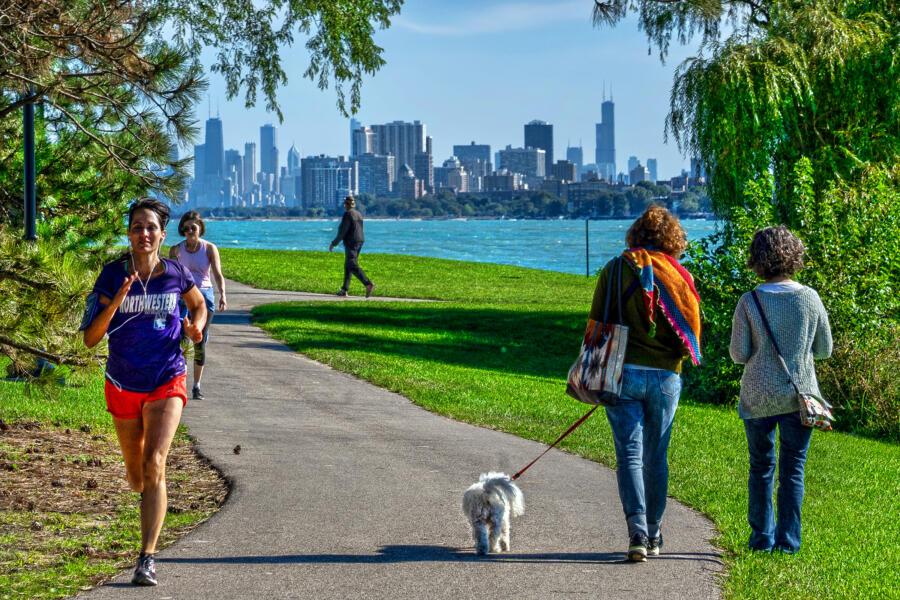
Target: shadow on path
[402,554]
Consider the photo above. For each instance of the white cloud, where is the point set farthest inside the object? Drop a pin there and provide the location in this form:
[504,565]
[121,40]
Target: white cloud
[502,18]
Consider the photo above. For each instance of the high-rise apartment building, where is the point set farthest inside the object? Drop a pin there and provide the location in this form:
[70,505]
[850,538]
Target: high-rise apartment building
[605,154]
[327,180]
[409,186]
[376,174]
[268,141]
[424,166]
[354,125]
[539,134]
[527,161]
[651,166]
[638,173]
[476,159]
[564,170]
[362,141]
[400,139]
[215,148]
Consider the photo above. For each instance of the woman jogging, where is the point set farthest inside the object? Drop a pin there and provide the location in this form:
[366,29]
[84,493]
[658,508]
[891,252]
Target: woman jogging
[201,258]
[135,303]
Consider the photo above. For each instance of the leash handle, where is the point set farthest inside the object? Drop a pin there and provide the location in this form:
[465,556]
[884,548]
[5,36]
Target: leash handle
[553,445]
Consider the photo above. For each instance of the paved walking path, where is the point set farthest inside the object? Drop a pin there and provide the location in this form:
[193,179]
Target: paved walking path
[344,490]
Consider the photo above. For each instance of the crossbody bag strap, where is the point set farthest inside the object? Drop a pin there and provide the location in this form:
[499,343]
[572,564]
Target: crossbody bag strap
[772,337]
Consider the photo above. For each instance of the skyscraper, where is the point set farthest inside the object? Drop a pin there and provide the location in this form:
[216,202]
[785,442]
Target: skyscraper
[476,159]
[575,155]
[354,150]
[424,166]
[651,166]
[527,161]
[268,141]
[605,155]
[234,169]
[215,148]
[402,140]
[293,160]
[326,180]
[362,141]
[539,134]
[632,163]
[249,167]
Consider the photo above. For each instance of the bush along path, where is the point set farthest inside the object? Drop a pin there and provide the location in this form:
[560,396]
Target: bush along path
[345,490]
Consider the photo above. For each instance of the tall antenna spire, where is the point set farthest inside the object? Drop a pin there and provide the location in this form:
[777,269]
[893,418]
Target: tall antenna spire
[604,91]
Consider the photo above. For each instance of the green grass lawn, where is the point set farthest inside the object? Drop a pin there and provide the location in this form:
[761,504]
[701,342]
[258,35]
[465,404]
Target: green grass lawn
[57,553]
[496,354]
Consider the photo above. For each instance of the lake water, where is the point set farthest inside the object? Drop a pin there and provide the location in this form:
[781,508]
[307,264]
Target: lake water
[557,245]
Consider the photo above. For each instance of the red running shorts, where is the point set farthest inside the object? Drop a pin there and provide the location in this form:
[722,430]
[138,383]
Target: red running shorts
[123,404]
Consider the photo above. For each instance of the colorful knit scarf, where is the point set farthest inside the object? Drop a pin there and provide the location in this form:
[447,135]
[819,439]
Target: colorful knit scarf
[668,285]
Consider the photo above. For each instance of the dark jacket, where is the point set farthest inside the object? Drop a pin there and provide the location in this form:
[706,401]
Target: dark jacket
[351,230]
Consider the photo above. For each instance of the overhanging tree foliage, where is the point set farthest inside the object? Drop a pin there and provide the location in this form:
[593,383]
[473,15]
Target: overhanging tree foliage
[115,83]
[794,109]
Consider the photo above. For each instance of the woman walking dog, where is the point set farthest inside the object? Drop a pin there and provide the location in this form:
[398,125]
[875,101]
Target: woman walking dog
[662,311]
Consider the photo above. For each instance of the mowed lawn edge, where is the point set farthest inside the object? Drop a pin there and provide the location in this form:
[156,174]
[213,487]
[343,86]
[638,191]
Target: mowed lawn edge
[496,355]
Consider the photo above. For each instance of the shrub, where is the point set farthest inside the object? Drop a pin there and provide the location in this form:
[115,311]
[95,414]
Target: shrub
[852,234]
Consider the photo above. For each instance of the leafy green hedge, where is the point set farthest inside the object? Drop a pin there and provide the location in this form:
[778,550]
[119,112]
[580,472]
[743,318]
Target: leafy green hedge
[852,237]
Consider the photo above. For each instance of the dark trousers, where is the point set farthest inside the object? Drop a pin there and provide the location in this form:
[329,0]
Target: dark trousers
[351,266]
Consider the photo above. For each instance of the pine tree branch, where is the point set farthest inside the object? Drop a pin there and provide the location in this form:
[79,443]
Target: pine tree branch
[57,359]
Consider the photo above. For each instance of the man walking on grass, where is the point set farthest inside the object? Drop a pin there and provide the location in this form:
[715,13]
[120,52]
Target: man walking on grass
[351,233]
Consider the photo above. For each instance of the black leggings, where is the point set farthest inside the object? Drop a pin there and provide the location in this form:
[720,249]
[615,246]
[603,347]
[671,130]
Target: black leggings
[200,349]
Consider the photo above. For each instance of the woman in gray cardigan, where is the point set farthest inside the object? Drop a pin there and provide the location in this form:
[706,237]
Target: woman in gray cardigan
[768,401]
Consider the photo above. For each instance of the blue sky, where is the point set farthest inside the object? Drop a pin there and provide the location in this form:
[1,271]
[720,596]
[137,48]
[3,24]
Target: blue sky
[478,70]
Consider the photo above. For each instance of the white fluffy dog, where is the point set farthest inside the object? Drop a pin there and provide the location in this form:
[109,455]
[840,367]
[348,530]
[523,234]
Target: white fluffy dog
[489,504]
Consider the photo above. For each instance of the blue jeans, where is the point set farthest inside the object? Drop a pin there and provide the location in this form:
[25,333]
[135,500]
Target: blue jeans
[641,424]
[766,532]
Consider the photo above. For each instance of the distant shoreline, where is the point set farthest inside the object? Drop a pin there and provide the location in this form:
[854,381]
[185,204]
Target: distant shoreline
[694,217]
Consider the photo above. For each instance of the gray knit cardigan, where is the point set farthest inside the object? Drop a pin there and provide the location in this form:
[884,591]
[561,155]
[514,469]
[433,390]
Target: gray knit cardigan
[800,324]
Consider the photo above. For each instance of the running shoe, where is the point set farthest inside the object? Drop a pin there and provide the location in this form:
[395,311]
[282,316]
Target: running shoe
[145,573]
[637,548]
[196,394]
[653,546]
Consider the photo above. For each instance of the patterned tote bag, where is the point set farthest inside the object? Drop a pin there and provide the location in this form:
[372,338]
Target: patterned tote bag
[596,375]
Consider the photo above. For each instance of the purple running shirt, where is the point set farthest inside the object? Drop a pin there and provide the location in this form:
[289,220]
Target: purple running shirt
[145,332]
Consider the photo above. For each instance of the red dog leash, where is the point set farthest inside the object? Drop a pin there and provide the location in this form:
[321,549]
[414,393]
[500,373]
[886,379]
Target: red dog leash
[571,429]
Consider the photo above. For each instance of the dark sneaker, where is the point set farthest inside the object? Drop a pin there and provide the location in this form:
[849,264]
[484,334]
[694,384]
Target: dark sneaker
[342,293]
[637,548]
[653,545]
[196,394]
[145,574]
[369,289]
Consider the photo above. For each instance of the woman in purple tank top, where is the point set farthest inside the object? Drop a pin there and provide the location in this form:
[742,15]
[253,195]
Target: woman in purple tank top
[202,259]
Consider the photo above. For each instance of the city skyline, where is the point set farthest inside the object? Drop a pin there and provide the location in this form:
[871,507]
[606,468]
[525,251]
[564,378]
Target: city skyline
[461,100]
